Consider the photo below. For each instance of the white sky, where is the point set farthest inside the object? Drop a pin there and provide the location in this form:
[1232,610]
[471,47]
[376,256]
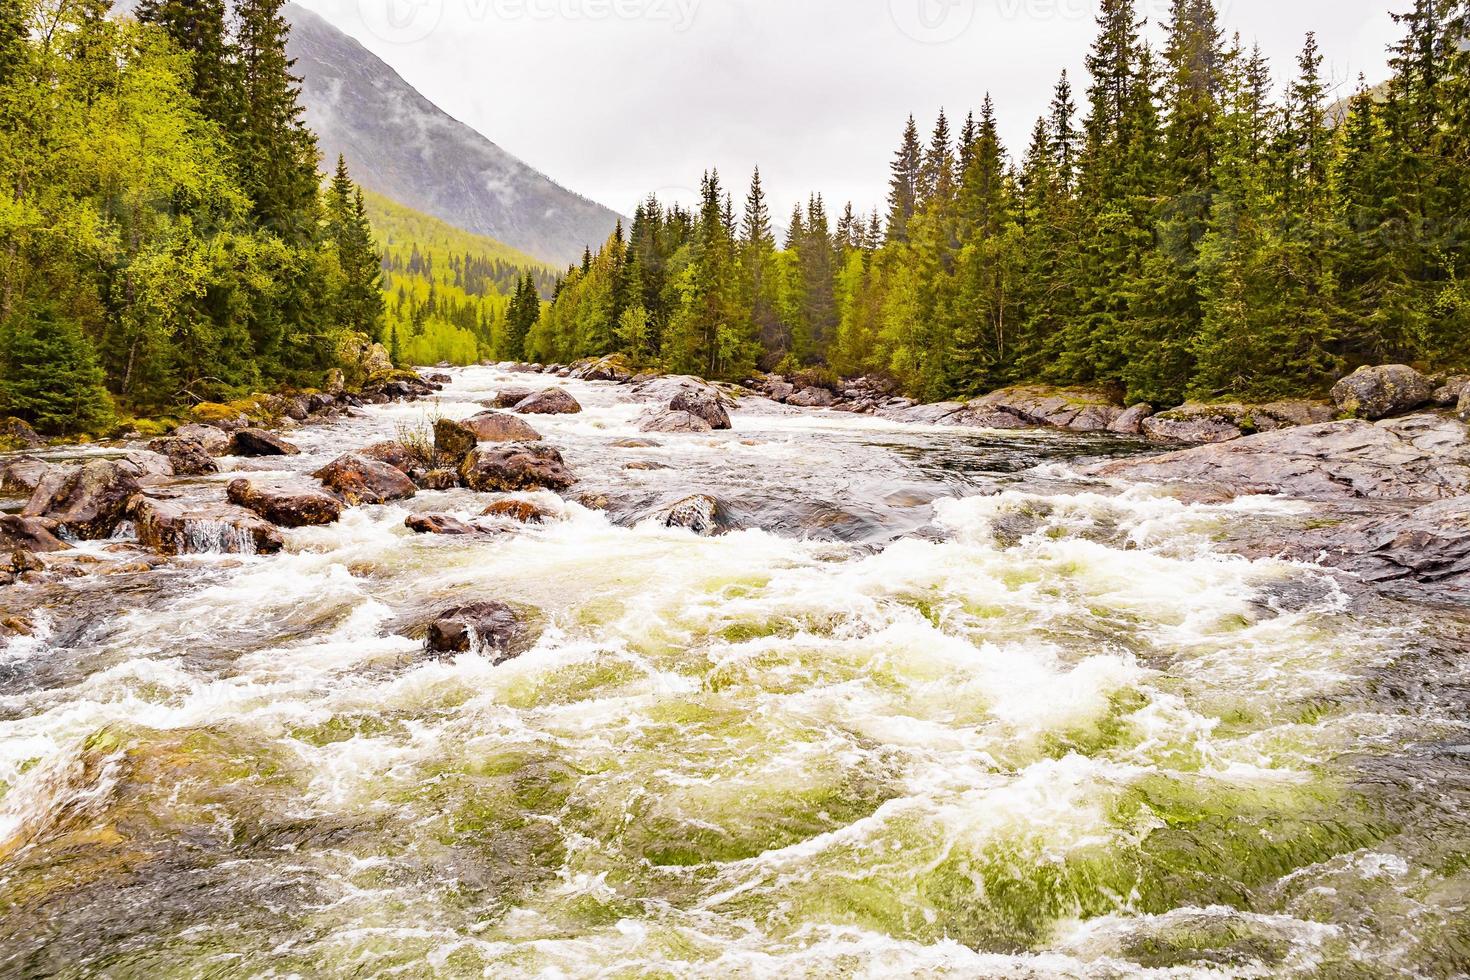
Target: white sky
[616,98]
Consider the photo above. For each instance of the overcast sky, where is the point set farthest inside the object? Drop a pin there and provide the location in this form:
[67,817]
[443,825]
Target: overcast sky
[616,98]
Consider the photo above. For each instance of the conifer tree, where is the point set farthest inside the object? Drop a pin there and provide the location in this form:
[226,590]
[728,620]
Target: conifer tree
[904,183]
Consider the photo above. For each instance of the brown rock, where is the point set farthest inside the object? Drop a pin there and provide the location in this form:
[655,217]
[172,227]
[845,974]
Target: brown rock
[699,513]
[175,527]
[259,442]
[216,441]
[500,427]
[812,398]
[510,397]
[89,501]
[552,401]
[439,524]
[508,467]
[634,443]
[22,475]
[521,511]
[1130,423]
[702,403]
[185,456]
[359,480]
[674,422]
[491,629]
[439,480]
[1196,423]
[395,454]
[453,440]
[29,534]
[16,433]
[286,507]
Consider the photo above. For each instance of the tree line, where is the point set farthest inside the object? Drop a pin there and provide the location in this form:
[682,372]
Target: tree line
[1190,233]
[165,235]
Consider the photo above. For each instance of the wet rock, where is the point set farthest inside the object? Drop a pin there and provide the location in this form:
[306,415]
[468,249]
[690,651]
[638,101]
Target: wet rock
[216,441]
[1196,423]
[611,368]
[259,442]
[924,414]
[1378,392]
[987,419]
[699,513]
[360,480]
[438,480]
[500,427]
[29,534]
[22,475]
[512,466]
[439,524]
[1082,409]
[89,501]
[185,456]
[645,466]
[453,440]
[1286,414]
[1448,394]
[286,507]
[1130,423]
[704,404]
[16,433]
[1429,546]
[1419,458]
[177,527]
[491,629]
[1462,410]
[440,379]
[520,511]
[153,468]
[779,390]
[674,422]
[510,397]
[812,398]
[394,454]
[634,443]
[552,401]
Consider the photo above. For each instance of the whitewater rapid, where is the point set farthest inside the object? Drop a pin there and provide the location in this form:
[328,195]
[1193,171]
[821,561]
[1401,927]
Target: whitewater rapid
[935,707]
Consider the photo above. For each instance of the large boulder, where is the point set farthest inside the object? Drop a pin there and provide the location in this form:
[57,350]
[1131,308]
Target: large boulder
[552,401]
[1130,423]
[703,403]
[90,501]
[453,440]
[674,422]
[215,440]
[259,442]
[1419,458]
[288,507]
[1081,409]
[491,629]
[178,527]
[699,513]
[512,466]
[812,398]
[28,534]
[1377,392]
[510,397]
[395,454]
[611,368]
[500,427]
[1429,546]
[17,434]
[359,480]
[1196,423]
[186,457]
[22,474]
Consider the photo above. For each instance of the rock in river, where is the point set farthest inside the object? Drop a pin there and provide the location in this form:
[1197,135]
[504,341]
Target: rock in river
[287,507]
[259,442]
[177,527]
[552,401]
[214,439]
[89,501]
[439,524]
[1419,458]
[22,475]
[1378,392]
[699,513]
[500,427]
[360,480]
[670,421]
[512,466]
[453,440]
[28,534]
[704,403]
[186,456]
[492,629]
[520,511]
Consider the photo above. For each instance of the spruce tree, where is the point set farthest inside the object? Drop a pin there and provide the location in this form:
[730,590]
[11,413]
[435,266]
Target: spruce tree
[904,183]
[198,28]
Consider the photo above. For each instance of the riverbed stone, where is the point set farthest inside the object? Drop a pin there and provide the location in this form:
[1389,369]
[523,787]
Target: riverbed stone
[29,534]
[520,511]
[704,404]
[1194,422]
[445,524]
[1462,410]
[179,527]
[552,401]
[1377,392]
[286,506]
[699,513]
[394,454]
[512,466]
[90,501]
[672,422]
[259,442]
[186,457]
[360,481]
[1130,423]
[812,397]
[216,441]
[22,474]
[1417,458]
[17,434]
[453,440]
[501,427]
[440,479]
[491,629]
[509,397]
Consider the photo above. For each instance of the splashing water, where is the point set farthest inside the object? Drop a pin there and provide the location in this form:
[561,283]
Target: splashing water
[933,708]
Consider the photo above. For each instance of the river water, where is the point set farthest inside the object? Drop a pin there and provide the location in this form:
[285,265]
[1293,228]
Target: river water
[934,707]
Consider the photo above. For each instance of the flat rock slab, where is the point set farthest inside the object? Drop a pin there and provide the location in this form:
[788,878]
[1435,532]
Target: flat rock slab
[1419,458]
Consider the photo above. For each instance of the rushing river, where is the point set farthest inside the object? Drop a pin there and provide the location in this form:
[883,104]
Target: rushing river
[933,707]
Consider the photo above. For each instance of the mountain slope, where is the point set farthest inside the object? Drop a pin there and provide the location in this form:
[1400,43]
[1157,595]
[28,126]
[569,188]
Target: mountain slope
[400,144]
